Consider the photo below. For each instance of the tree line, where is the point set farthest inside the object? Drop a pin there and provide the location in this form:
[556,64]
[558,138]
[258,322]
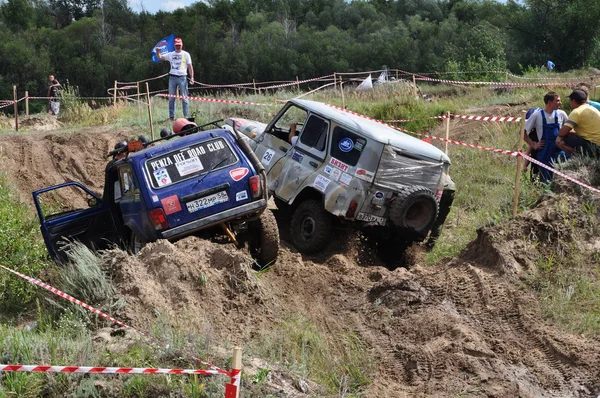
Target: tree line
[92,43]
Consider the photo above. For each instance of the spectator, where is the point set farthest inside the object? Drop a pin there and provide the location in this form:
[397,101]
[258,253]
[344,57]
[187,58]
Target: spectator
[549,66]
[541,131]
[181,67]
[586,89]
[292,137]
[585,120]
[53,95]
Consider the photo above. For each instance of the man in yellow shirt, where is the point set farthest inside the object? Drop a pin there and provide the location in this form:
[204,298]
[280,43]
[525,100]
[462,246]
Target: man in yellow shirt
[585,120]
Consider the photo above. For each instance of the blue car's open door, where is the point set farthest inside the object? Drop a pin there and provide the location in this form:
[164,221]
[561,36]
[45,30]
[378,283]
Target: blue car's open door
[72,212]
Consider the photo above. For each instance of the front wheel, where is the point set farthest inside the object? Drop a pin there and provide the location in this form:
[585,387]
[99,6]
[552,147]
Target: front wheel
[263,241]
[311,227]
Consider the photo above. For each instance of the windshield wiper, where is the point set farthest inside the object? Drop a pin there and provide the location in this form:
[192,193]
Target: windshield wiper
[212,169]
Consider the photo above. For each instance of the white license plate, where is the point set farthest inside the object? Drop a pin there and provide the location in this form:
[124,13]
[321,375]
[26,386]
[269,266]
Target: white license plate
[370,218]
[207,201]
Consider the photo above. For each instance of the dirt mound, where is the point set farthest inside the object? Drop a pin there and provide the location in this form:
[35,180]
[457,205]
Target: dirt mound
[462,327]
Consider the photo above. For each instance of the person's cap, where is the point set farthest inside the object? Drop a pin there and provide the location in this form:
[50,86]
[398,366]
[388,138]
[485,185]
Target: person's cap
[178,42]
[578,95]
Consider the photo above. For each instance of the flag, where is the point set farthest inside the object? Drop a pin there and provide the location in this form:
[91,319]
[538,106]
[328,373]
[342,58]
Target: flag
[166,45]
[366,84]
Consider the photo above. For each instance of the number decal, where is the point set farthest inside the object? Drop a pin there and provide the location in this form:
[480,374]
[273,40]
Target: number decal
[267,157]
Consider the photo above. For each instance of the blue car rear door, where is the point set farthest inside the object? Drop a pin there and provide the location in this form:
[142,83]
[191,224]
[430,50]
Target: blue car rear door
[72,212]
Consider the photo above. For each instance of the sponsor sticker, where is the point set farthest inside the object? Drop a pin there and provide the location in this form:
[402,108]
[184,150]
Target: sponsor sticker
[364,175]
[155,198]
[162,177]
[379,194]
[171,204]
[370,218]
[189,166]
[360,144]
[297,156]
[346,144]
[345,179]
[241,196]
[339,164]
[335,174]
[328,169]
[321,183]
[238,174]
[267,157]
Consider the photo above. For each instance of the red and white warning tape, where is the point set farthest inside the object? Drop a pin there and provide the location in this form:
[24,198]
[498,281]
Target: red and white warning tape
[102,314]
[498,84]
[219,101]
[101,369]
[532,160]
[414,120]
[488,118]
[293,83]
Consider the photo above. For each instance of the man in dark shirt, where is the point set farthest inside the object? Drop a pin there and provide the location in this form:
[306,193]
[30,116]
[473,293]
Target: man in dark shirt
[53,94]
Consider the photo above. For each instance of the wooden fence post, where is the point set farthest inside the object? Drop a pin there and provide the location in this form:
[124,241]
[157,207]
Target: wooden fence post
[334,82]
[519,165]
[149,110]
[447,130]
[298,83]
[415,81]
[16,108]
[26,103]
[232,389]
[138,101]
[115,95]
[342,91]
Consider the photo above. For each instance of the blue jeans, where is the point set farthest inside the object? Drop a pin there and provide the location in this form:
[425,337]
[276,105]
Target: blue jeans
[181,82]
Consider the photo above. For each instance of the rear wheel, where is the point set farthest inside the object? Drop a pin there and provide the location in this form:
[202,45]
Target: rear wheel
[311,227]
[415,208]
[263,241]
[135,243]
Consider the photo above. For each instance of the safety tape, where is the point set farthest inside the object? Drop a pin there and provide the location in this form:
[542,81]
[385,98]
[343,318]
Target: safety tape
[316,89]
[102,314]
[553,78]
[488,118]
[498,84]
[299,82]
[104,370]
[532,160]
[220,101]
[142,81]
[414,120]
[8,104]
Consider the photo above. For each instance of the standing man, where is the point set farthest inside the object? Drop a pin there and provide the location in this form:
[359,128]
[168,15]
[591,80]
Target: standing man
[54,100]
[181,67]
[545,123]
[585,120]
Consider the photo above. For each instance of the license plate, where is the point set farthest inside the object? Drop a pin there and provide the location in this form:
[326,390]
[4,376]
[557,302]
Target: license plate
[207,201]
[370,218]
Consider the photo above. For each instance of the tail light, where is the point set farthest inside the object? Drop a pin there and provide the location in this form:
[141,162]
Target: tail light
[351,212]
[158,218]
[255,188]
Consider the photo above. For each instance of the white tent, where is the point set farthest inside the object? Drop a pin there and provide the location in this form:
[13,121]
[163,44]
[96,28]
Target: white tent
[366,84]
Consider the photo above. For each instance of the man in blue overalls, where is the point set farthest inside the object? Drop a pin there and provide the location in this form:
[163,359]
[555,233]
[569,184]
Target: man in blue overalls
[546,123]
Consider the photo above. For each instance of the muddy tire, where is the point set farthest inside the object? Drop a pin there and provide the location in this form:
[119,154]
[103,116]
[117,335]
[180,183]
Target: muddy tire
[263,241]
[135,243]
[311,227]
[415,209]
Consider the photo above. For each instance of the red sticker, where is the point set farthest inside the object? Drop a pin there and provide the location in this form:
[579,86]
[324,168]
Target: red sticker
[239,173]
[171,204]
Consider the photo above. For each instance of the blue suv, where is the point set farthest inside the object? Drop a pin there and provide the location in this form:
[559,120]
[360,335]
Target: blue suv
[166,189]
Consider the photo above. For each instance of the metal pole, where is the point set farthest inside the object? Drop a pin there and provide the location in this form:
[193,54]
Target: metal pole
[519,165]
[16,108]
[447,130]
[26,103]
[149,110]
[115,95]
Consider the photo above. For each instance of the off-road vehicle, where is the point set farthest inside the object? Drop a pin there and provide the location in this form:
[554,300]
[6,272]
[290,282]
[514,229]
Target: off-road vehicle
[166,189]
[350,168]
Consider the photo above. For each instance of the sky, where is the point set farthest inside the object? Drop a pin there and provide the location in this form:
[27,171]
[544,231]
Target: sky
[153,6]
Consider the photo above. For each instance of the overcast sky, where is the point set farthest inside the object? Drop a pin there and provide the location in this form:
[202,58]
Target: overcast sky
[153,6]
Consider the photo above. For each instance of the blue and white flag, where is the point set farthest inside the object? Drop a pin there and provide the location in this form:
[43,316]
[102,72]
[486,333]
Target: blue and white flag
[166,45]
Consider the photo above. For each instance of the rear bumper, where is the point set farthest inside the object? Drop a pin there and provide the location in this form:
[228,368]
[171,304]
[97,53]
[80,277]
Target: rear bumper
[224,216]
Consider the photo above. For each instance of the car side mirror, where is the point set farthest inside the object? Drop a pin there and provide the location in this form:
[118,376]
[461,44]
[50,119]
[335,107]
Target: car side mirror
[93,202]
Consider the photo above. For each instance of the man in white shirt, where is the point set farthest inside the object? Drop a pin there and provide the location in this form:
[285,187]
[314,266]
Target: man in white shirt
[181,67]
[542,123]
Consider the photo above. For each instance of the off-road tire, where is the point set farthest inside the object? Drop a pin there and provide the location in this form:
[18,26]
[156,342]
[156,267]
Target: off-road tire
[263,240]
[414,209]
[311,227]
[135,243]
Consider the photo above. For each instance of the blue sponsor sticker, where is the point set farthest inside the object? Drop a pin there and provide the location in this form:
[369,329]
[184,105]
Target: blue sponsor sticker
[346,144]
[297,156]
[379,195]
